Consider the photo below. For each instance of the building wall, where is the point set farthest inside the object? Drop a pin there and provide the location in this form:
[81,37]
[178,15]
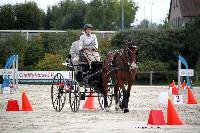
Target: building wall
[176,19]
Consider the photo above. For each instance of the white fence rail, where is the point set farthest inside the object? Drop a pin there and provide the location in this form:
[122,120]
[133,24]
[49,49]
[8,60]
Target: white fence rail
[29,34]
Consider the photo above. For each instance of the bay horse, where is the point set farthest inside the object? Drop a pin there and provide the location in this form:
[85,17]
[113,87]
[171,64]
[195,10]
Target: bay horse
[122,66]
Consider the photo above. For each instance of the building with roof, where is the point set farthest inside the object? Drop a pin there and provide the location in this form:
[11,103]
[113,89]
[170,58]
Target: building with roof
[183,11]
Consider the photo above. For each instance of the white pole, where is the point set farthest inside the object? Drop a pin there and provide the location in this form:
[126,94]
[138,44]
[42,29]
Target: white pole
[179,68]
[16,71]
[27,35]
[151,77]
[122,14]
[144,9]
[151,4]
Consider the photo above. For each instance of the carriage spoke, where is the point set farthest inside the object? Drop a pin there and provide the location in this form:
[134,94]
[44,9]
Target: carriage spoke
[55,94]
[55,100]
[59,103]
[74,103]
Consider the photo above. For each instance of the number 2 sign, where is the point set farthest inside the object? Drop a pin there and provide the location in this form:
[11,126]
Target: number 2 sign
[178,99]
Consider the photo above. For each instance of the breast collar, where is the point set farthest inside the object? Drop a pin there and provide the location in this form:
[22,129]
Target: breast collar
[130,65]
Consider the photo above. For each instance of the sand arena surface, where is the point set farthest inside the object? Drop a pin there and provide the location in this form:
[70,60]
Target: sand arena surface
[45,119]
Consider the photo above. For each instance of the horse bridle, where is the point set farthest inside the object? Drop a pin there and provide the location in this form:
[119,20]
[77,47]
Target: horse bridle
[124,59]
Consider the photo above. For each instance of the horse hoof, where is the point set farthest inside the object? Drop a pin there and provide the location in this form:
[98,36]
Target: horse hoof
[126,110]
[117,108]
[121,106]
[106,109]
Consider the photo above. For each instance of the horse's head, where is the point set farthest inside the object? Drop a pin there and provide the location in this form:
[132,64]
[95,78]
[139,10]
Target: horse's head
[130,52]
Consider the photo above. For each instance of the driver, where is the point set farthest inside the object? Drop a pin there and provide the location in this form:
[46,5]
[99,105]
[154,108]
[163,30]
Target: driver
[88,44]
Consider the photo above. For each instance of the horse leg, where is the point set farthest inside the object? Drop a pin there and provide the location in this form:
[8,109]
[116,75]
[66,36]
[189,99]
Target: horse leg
[105,92]
[123,106]
[116,89]
[127,96]
[105,102]
[125,101]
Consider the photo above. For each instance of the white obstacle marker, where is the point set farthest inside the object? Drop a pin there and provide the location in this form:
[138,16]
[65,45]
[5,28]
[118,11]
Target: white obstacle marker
[184,72]
[6,90]
[6,72]
[10,75]
[163,97]
[178,99]
[170,90]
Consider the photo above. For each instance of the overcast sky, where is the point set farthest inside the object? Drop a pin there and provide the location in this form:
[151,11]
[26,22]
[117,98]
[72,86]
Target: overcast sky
[160,8]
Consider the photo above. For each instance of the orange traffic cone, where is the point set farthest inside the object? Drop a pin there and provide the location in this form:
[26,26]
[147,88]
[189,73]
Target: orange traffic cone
[89,104]
[183,84]
[26,105]
[175,91]
[173,117]
[156,117]
[191,98]
[173,84]
[12,105]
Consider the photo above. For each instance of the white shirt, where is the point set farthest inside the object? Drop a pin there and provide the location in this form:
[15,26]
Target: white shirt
[88,41]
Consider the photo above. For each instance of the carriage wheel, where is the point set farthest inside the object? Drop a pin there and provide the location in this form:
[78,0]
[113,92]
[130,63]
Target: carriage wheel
[109,98]
[58,92]
[74,96]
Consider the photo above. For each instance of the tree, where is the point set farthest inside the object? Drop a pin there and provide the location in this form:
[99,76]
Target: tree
[74,18]
[106,14]
[165,24]
[29,16]
[144,24]
[192,42]
[16,44]
[95,14]
[50,62]
[130,12]
[33,53]
[48,18]
[7,17]
[68,14]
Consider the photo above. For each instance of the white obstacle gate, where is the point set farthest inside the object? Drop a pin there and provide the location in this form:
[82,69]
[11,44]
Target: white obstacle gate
[184,72]
[10,74]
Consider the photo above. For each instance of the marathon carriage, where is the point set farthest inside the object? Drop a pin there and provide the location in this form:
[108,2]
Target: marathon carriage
[86,82]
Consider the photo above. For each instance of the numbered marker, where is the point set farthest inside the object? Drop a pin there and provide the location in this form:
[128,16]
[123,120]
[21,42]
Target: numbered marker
[178,99]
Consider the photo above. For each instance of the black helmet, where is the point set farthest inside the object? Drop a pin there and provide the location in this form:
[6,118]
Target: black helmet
[88,26]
